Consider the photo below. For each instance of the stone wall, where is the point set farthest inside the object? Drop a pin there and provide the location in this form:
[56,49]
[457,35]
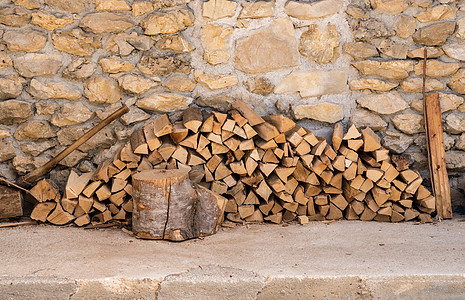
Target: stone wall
[65,65]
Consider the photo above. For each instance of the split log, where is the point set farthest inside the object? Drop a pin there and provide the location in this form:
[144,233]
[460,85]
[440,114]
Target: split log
[11,202]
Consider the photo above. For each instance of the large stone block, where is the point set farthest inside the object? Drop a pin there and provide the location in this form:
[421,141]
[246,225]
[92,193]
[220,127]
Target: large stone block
[415,85]
[313,83]
[409,123]
[436,68]
[164,102]
[324,112]
[434,34]
[372,84]
[71,114]
[14,112]
[362,117]
[268,49]
[54,90]
[179,83]
[320,45]
[385,104]
[215,82]
[136,84]
[214,43]
[69,6]
[394,69]
[34,129]
[455,161]
[7,150]
[457,81]
[455,123]
[360,50]
[76,41]
[14,16]
[312,10]
[105,22]
[394,7]
[397,142]
[25,40]
[217,9]
[38,64]
[112,5]
[50,21]
[436,13]
[100,89]
[167,23]
[255,10]
[455,50]
[11,87]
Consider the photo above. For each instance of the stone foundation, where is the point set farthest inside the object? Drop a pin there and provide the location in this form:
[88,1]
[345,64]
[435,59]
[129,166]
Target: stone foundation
[65,65]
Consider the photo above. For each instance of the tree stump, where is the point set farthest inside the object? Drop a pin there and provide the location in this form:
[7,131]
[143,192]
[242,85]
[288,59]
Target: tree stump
[167,206]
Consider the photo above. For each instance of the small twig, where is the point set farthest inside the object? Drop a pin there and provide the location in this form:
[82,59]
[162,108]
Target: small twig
[14,224]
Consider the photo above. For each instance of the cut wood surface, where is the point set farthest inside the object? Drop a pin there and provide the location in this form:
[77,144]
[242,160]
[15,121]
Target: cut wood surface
[263,169]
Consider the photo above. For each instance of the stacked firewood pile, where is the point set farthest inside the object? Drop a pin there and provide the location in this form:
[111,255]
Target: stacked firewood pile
[268,169]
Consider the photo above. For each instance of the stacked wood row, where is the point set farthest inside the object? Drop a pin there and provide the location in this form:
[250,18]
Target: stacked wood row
[268,168]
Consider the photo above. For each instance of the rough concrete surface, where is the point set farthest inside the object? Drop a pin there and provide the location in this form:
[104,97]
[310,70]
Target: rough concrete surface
[332,260]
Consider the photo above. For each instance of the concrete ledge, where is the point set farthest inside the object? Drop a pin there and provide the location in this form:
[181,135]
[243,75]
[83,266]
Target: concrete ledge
[336,260]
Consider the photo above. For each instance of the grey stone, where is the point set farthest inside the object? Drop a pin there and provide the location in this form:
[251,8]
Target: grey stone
[455,123]
[37,288]
[457,81]
[409,123]
[38,64]
[106,22]
[387,103]
[23,165]
[363,117]
[397,142]
[36,148]
[455,161]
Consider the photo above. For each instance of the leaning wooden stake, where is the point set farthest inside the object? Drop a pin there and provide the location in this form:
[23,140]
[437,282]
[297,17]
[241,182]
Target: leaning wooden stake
[34,175]
[436,150]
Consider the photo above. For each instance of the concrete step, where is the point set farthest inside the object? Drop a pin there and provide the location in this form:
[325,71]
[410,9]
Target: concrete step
[332,260]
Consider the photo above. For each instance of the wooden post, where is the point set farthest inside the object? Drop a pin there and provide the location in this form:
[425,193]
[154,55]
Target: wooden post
[437,155]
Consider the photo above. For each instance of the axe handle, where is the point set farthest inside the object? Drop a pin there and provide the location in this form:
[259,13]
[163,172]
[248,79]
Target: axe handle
[34,175]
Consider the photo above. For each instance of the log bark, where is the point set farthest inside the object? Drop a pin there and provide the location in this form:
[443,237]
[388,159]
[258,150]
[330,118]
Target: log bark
[11,202]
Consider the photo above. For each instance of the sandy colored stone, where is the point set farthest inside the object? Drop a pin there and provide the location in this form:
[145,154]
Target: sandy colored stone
[435,34]
[259,85]
[217,9]
[34,129]
[457,81]
[29,4]
[80,68]
[114,5]
[455,50]
[215,82]
[313,83]
[105,22]
[324,112]
[153,64]
[25,40]
[100,89]
[136,84]
[415,85]
[70,6]
[76,41]
[179,83]
[460,32]
[421,3]
[394,69]
[23,164]
[409,123]
[312,10]
[174,43]
[214,43]
[4,134]
[140,42]
[460,143]
[431,52]
[437,68]
[320,45]
[50,21]
[14,16]
[366,30]
[41,89]
[393,7]
[360,50]
[113,65]
[362,117]
[36,148]
[7,150]
[436,13]
[393,49]
[5,60]
[164,102]
[397,142]
[108,110]
[46,107]
[448,102]
[356,12]
[38,64]
[167,22]
[219,102]
[140,8]
[385,104]
[455,123]
[256,10]
[271,48]
[134,115]
[405,26]
[372,84]
[71,114]
[10,87]
[14,112]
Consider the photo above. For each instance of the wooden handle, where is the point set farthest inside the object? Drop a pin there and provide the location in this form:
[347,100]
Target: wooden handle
[34,175]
